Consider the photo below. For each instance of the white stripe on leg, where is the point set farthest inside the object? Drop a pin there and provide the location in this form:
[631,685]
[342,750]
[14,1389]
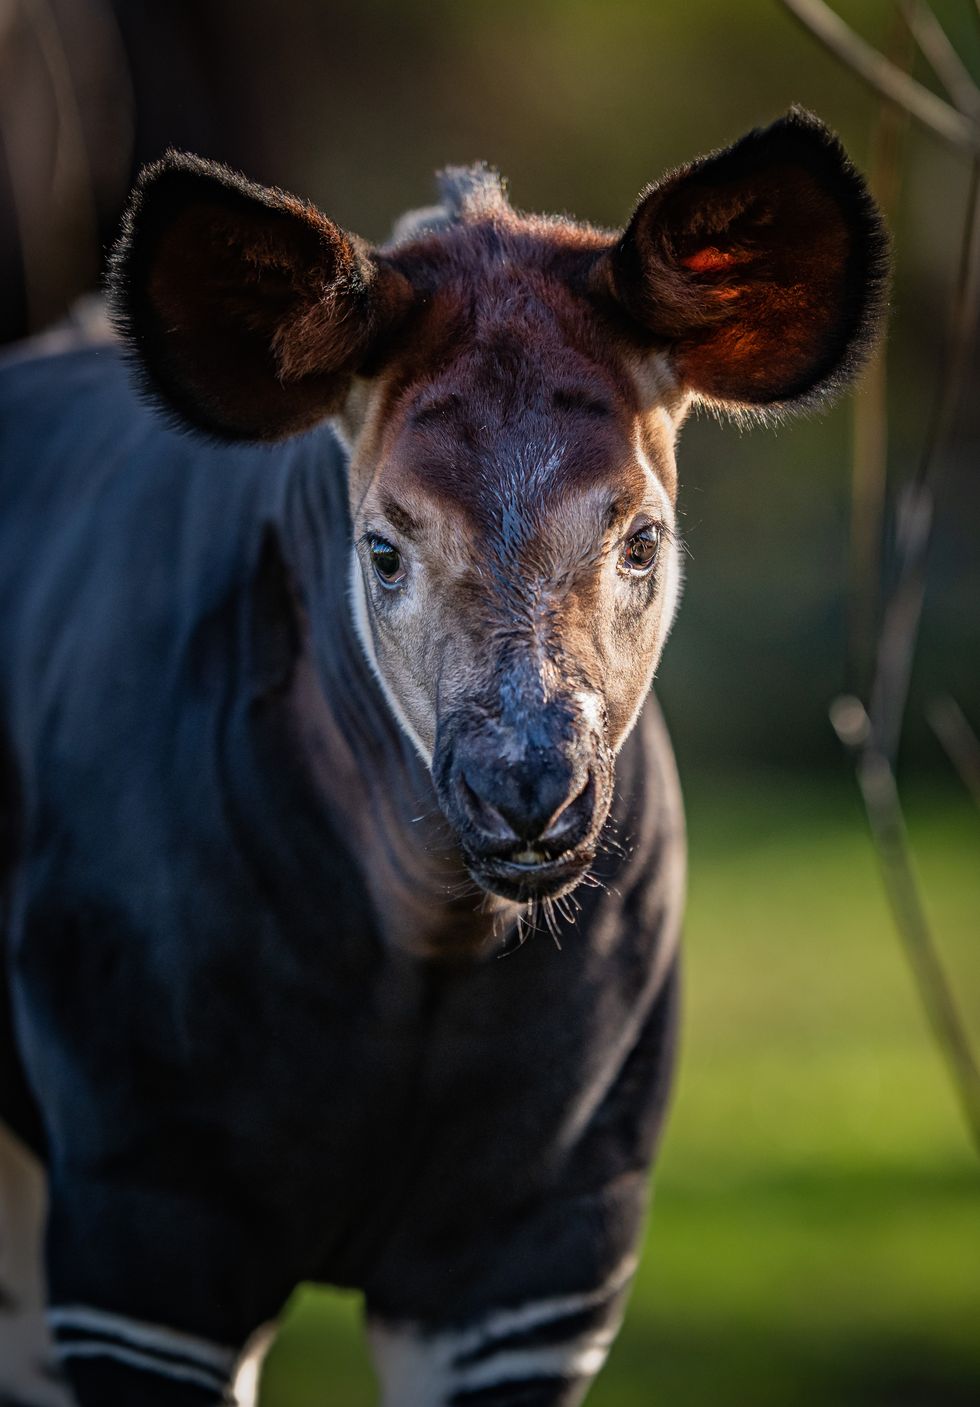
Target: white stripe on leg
[248,1374]
[145,1363]
[540,1339]
[85,1332]
[157,1339]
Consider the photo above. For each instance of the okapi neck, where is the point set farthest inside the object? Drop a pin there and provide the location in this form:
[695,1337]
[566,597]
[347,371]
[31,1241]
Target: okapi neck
[357,775]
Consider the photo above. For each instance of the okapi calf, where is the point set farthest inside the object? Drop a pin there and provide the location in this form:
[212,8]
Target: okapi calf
[293,736]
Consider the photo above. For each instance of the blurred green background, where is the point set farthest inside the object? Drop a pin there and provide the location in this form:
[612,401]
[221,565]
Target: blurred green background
[816,1232]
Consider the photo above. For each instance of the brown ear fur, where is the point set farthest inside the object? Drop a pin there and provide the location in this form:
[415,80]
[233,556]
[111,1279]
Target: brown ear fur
[763,267]
[249,311]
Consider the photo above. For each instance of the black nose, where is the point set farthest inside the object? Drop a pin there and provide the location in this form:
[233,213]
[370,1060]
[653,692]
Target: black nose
[507,805]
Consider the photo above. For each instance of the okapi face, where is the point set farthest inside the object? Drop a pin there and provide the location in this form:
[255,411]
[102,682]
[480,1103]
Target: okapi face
[512,488]
[511,388]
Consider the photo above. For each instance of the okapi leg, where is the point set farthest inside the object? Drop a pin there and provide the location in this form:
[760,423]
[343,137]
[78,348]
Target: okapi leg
[541,1353]
[28,1371]
[155,1295]
[248,1373]
[114,1360]
[524,1314]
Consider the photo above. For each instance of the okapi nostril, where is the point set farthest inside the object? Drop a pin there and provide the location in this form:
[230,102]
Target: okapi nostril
[570,812]
[485,816]
[509,806]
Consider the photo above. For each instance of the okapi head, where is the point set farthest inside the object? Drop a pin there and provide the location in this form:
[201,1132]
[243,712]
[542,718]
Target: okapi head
[511,388]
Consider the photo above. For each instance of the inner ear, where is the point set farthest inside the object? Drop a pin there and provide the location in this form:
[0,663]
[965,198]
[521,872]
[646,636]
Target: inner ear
[248,309]
[762,268]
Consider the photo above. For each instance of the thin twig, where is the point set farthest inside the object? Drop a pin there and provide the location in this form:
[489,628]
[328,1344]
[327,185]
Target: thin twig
[959,741]
[869,471]
[887,80]
[903,612]
[887,822]
[941,57]
[873,740]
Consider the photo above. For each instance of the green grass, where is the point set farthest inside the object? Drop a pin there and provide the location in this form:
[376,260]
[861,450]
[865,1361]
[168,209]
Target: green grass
[815,1237]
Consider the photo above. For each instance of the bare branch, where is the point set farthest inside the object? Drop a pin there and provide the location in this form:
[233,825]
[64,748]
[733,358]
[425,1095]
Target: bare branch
[873,741]
[900,628]
[941,57]
[887,822]
[869,467]
[960,742]
[884,77]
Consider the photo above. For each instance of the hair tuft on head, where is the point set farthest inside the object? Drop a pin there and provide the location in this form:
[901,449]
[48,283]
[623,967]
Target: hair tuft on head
[472,192]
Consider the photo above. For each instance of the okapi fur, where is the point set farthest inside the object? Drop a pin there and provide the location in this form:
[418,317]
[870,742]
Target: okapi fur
[324,705]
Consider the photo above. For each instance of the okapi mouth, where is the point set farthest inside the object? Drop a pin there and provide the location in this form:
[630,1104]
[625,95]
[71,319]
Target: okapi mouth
[550,866]
[522,879]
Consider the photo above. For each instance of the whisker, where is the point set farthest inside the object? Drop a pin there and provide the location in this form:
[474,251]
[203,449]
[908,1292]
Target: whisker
[565,904]
[551,922]
[463,889]
[521,931]
[594,882]
[611,846]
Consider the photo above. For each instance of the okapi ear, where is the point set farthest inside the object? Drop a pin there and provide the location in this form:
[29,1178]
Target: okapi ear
[763,266]
[248,309]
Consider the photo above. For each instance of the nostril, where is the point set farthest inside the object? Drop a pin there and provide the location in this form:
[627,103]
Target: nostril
[510,808]
[484,816]
[571,811]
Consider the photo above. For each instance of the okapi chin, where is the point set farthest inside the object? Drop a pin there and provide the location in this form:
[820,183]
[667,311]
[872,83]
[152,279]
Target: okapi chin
[308,686]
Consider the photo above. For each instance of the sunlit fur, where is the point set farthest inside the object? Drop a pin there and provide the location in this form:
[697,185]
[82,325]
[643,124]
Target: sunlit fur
[510,388]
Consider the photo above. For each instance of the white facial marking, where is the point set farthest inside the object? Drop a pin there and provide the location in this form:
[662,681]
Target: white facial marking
[362,625]
[674,576]
[653,479]
[673,584]
[590,707]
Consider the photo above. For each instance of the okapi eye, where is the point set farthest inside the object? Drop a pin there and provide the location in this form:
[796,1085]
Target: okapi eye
[639,554]
[387,562]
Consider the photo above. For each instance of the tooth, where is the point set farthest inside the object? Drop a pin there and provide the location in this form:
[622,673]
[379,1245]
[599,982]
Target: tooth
[529,857]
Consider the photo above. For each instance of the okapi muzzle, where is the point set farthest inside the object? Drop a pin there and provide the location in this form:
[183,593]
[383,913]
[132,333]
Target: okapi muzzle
[526,783]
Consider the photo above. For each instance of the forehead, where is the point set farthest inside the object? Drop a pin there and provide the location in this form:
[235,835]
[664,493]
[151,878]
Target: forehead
[514,394]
